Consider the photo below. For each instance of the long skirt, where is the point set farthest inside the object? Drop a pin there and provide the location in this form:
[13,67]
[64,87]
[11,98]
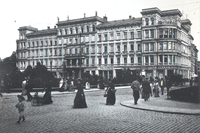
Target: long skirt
[47,98]
[110,98]
[79,101]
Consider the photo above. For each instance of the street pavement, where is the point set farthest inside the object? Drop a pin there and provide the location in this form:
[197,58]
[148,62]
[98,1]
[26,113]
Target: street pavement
[60,117]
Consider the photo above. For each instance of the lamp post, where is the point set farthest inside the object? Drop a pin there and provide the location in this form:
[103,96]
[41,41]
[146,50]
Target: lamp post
[80,55]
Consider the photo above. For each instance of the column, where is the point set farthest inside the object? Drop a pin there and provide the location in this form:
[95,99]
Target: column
[114,73]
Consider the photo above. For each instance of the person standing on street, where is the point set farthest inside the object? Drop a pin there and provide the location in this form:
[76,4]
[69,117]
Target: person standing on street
[136,90]
[161,83]
[20,106]
[146,89]
[79,101]
[111,93]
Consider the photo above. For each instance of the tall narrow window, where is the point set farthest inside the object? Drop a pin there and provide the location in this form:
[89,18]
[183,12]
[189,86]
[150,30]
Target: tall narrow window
[111,60]
[132,47]
[71,31]
[151,46]
[99,38]
[106,37]
[160,45]
[88,29]
[125,35]
[160,33]
[132,60]
[125,60]
[146,33]
[139,60]
[105,49]
[165,31]
[151,33]
[147,21]
[99,61]
[99,49]
[139,47]
[118,60]
[125,47]
[118,48]
[152,60]
[146,47]
[139,34]
[93,27]
[132,35]
[152,21]
[105,61]
[165,45]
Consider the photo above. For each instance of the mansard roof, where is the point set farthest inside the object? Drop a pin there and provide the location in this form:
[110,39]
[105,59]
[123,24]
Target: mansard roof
[80,20]
[162,13]
[123,22]
[28,28]
[43,32]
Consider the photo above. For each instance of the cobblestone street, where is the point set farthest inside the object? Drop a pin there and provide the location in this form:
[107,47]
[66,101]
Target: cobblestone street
[61,117]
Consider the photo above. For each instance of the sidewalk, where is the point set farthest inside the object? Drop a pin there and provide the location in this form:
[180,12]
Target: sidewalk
[162,104]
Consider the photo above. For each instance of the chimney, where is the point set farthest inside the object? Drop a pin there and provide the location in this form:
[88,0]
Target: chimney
[130,16]
[105,18]
[48,27]
[95,13]
[67,17]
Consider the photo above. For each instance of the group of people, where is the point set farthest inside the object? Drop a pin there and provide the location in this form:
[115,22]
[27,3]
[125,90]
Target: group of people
[147,88]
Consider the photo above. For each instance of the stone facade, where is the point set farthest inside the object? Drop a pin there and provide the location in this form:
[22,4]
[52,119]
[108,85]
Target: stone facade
[157,44]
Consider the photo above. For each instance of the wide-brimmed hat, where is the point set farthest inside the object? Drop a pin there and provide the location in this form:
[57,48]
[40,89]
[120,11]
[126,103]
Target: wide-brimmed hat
[20,96]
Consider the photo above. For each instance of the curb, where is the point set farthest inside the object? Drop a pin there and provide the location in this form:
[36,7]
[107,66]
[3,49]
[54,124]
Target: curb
[171,110]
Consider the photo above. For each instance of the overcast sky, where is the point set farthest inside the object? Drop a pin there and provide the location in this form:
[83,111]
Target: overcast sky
[43,13]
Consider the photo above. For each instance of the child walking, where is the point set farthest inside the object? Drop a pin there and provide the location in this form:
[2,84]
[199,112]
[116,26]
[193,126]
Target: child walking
[20,106]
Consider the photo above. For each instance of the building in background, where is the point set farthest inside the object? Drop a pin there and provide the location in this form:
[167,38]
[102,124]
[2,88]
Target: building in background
[157,44]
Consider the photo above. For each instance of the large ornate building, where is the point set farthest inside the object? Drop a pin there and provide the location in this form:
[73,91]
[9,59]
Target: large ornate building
[157,44]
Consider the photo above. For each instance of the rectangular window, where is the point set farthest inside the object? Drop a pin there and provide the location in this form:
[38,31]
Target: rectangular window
[46,52]
[118,48]
[146,60]
[169,45]
[139,34]
[170,58]
[146,33]
[111,60]
[93,49]
[151,46]
[146,46]
[111,36]
[118,60]
[106,37]
[165,31]
[132,35]
[28,44]
[173,45]
[93,61]
[161,58]
[165,45]
[165,59]
[118,36]
[87,61]
[99,38]
[105,49]
[152,60]
[105,61]
[125,60]
[32,44]
[111,48]
[76,51]
[55,42]
[132,60]
[60,52]
[139,47]
[55,52]
[51,42]
[99,49]
[160,46]
[151,33]
[132,47]
[87,50]
[170,33]
[125,35]
[125,47]
[99,61]
[37,44]
[160,33]
[139,60]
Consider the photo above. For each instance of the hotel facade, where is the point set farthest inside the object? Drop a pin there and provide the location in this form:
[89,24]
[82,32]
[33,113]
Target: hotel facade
[157,44]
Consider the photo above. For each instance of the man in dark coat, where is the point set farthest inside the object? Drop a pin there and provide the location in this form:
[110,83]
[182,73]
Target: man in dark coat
[146,89]
[136,89]
[168,85]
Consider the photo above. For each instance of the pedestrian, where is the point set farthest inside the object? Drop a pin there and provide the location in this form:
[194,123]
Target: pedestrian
[61,85]
[191,81]
[21,107]
[47,96]
[1,88]
[28,88]
[168,85]
[136,90]
[156,88]
[111,98]
[162,85]
[146,89]
[24,92]
[79,101]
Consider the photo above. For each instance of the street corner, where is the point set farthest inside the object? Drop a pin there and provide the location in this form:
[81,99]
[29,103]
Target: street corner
[163,106]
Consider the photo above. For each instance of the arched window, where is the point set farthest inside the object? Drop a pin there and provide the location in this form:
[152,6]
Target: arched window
[88,29]
[147,21]
[81,29]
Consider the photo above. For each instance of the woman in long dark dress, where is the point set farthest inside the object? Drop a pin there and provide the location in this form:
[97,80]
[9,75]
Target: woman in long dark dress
[111,94]
[79,101]
[47,96]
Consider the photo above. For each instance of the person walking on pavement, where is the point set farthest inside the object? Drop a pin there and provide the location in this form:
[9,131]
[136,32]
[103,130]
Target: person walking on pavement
[110,100]
[21,107]
[162,85]
[47,96]
[136,90]
[28,88]
[156,88]
[146,89]
[79,101]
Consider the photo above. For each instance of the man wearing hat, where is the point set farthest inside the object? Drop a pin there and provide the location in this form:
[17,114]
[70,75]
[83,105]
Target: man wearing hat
[20,106]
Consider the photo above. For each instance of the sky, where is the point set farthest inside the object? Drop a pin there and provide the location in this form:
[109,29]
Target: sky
[43,13]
